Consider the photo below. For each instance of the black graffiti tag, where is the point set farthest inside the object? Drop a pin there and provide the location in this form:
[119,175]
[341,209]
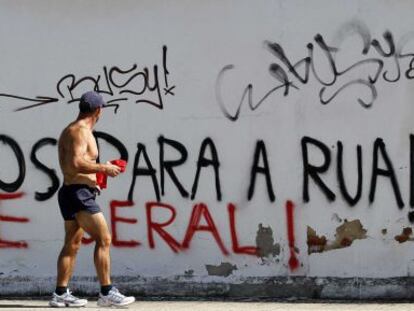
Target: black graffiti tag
[146,86]
[293,74]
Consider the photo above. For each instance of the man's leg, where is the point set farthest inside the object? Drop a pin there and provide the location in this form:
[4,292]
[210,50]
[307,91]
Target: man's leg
[95,225]
[67,256]
[65,264]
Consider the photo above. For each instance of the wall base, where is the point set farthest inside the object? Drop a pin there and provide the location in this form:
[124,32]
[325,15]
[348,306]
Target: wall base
[251,287]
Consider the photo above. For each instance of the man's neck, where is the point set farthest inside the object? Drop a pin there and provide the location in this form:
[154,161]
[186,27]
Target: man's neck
[88,122]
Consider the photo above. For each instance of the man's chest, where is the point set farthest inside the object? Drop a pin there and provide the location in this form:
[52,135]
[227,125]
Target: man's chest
[92,148]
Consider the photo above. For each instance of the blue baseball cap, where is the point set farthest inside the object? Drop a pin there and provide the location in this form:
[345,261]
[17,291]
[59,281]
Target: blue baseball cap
[90,101]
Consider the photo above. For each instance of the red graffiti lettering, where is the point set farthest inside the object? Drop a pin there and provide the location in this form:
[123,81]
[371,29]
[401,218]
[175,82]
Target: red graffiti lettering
[194,225]
[237,249]
[293,261]
[114,219]
[12,244]
[158,227]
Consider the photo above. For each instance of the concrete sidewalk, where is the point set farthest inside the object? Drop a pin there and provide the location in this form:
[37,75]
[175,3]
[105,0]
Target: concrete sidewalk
[219,305]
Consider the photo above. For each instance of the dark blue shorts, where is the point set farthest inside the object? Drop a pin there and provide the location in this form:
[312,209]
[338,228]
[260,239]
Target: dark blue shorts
[76,198]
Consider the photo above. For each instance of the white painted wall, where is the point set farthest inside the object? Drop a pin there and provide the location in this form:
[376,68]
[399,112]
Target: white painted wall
[42,41]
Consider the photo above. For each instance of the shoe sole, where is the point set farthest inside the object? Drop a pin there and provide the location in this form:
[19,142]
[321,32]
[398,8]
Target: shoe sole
[115,305]
[65,305]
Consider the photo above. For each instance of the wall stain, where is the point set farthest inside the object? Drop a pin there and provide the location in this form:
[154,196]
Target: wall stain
[265,242]
[316,244]
[345,235]
[405,235]
[224,269]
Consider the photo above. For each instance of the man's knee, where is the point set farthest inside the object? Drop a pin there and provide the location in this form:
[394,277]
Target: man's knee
[104,240]
[72,247]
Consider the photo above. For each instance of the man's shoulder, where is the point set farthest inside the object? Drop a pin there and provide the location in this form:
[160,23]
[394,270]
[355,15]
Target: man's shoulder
[77,129]
[73,132]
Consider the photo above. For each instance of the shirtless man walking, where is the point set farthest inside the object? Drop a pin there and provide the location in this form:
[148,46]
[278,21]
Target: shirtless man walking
[77,156]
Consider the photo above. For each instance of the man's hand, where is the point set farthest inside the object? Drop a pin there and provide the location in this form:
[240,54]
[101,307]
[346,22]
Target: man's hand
[112,170]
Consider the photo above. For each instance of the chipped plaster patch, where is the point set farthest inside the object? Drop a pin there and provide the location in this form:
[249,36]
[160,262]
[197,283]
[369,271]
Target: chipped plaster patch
[265,242]
[346,233]
[224,269]
[405,235]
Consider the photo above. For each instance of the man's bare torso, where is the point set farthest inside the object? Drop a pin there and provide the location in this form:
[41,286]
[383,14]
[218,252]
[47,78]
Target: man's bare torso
[73,136]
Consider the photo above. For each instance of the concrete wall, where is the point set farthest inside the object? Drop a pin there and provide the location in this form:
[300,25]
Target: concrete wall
[269,144]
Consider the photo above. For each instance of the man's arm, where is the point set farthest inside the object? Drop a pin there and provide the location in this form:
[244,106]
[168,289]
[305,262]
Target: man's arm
[82,165]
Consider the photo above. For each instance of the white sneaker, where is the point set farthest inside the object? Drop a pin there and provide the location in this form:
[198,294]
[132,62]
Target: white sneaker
[67,300]
[114,298]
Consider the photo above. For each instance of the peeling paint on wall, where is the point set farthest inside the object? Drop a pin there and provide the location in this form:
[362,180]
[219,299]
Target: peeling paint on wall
[405,235]
[316,244]
[224,269]
[265,242]
[348,232]
[345,235]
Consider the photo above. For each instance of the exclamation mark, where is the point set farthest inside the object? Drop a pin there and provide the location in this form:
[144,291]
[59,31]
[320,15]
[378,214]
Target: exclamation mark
[164,65]
[293,260]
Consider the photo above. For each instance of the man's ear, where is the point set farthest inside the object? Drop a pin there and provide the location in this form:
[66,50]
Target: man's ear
[98,112]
